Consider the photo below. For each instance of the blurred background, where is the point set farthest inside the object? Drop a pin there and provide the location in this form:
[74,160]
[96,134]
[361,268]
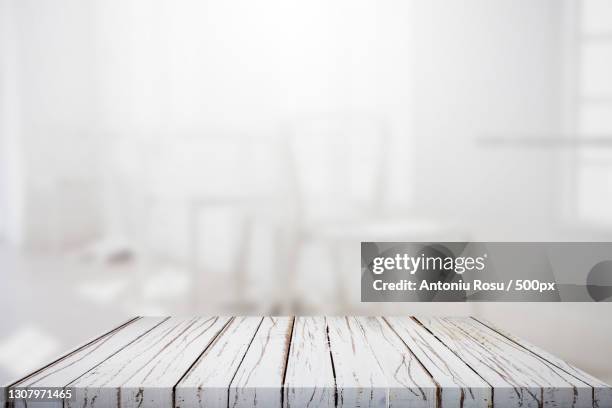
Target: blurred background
[227,157]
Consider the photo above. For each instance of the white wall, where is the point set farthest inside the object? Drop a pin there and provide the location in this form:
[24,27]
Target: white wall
[488,69]
[176,75]
[11,170]
[51,109]
[96,74]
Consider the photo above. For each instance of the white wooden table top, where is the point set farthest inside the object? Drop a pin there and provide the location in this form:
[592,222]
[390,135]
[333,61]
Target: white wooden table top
[433,362]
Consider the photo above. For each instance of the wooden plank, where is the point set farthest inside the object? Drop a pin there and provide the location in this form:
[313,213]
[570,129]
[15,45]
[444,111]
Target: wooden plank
[71,367]
[259,379]
[359,380]
[316,362]
[207,383]
[602,392]
[309,379]
[458,384]
[409,383]
[519,377]
[76,363]
[145,372]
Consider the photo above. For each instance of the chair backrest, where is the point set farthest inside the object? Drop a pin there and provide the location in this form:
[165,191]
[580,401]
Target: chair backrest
[338,164]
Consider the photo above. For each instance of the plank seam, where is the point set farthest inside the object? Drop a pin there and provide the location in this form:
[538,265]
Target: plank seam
[491,403]
[190,325]
[531,351]
[374,356]
[112,355]
[331,357]
[73,351]
[200,356]
[168,333]
[229,387]
[118,351]
[513,342]
[541,388]
[438,387]
[71,381]
[539,356]
[287,362]
[540,401]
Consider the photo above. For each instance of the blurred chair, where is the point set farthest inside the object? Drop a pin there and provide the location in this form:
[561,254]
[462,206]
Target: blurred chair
[209,199]
[338,168]
[228,239]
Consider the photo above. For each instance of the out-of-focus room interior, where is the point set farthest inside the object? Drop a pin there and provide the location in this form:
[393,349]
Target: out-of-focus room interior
[227,157]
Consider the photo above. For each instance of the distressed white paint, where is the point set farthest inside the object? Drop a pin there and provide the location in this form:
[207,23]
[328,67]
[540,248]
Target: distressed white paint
[309,380]
[518,377]
[316,362]
[459,385]
[72,366]
[146,370]
[359,379]
[206,384]
[602,391]
[259,379]
[409,383]
[77,363]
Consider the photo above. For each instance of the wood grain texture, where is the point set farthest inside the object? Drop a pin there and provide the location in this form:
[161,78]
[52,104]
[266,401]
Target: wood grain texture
[409,384]
[518,376]
[602,392]
[145,372]
[259,379]
[424,362]
[75,364]
[458,384]
[359,379]
[309,379]
[206,385]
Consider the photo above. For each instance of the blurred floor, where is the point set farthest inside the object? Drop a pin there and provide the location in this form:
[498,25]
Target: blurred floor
[52,304]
